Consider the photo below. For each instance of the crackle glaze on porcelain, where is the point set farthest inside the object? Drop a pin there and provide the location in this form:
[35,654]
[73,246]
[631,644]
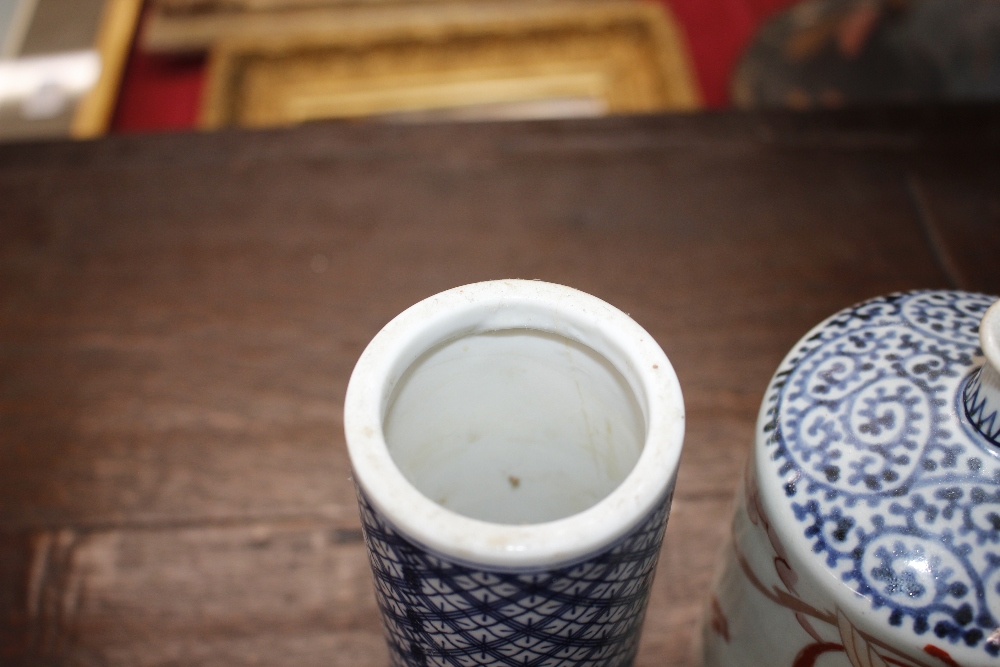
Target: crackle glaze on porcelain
[867,528]
[514,446]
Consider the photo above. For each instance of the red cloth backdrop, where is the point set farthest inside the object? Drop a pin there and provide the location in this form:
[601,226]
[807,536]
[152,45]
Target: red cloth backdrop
[163,92]
[159,93]
[717,32]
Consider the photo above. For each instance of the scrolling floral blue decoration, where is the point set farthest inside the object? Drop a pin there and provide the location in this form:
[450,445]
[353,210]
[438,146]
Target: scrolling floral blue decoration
[885,467]
[442,613]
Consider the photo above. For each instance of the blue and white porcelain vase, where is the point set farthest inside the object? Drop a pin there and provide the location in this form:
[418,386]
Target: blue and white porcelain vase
[867,529]
[514,447]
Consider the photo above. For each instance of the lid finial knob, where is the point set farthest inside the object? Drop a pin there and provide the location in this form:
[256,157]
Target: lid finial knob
[982,393]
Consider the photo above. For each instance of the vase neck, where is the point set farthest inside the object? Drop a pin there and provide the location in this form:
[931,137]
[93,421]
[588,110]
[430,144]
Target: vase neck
[982,393]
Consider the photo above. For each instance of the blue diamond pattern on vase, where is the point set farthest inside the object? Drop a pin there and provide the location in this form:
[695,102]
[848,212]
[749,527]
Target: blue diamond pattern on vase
[438,612]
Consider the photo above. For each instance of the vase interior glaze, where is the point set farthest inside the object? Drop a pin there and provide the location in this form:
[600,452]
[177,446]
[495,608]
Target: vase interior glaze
[514,427]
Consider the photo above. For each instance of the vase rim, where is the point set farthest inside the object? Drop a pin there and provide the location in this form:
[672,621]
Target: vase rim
[511,305]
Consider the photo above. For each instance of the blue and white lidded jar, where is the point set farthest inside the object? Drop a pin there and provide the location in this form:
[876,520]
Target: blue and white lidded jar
[867,529]
[514,446]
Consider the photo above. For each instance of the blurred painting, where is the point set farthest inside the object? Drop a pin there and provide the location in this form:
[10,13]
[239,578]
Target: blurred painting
[60,65]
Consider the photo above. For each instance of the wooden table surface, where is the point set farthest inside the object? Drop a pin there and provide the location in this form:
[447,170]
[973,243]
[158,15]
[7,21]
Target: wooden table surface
[179,316]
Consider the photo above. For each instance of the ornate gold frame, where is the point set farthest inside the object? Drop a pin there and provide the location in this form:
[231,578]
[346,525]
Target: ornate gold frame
[619,57]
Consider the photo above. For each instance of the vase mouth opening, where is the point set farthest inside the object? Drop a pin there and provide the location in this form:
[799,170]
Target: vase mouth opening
[513,423]
[515,426]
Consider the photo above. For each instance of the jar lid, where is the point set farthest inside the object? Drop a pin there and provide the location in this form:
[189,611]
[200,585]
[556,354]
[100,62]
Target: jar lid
[878,459]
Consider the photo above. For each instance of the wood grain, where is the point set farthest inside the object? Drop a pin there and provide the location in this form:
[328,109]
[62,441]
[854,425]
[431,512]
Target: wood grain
[179,316]
[959,205]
